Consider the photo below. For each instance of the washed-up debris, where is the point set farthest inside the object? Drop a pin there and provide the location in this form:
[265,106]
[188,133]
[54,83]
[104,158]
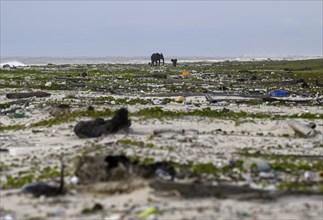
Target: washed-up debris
[210,99]
[186,73]
[154,75]
[8,217]
[74,180]
[197,190]
[148,211]
[96,207]
[180,99]
[161,131]
[60,110]
[278,93]
[99,126]
[119,167]
[41,188]
[301,129]
[256,165]
[27,95]
[115,217]
[19,115]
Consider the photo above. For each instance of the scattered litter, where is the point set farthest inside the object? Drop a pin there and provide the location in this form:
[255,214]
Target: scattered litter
[57,212]
[119,167]
[60,110]
[114,217]
[301,129]
[186,73]
[278,93]
[266,175]
[19,115]
[256,165]
[309,175]
[157,101]
[148,211]
[38,189]
[48,84]
[8,217]
[180,99]
[19,151]
[96,207]
[74,180]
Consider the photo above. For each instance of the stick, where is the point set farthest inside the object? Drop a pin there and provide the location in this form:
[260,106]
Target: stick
[27,95]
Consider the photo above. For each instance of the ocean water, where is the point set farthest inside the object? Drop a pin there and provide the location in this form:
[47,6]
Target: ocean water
[25,61]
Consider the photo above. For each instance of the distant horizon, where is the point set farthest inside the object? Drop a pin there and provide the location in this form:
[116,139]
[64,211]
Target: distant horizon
[165,55]
[25,61]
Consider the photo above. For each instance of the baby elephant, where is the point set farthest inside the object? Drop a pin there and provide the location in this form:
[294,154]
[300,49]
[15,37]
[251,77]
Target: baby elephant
[174,61]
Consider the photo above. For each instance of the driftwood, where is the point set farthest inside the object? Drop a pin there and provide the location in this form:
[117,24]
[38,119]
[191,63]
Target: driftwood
[210,99]
[154,75]
[71,78]
[13,110]
[271,99]
[163,130]
[195,190]
[27,95]
[305,156]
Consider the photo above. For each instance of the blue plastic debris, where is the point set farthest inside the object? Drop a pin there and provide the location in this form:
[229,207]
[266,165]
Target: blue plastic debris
[278,93]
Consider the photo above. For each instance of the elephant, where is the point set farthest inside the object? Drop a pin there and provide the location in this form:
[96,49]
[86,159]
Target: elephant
[156,57]
[174,61]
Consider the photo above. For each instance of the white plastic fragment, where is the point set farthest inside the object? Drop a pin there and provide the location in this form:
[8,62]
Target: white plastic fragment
[8,217]
[301,128]
[74,180]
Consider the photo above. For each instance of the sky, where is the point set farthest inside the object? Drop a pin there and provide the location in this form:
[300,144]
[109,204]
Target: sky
[183,28]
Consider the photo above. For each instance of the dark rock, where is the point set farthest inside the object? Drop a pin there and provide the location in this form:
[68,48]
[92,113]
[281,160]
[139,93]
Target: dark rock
[96,207]
[317,84]
[83,74]
[90,108]
[98,126]
[113,161]
[120,167]
[4,150]
[159,75]
[119,121]
[41,188]
[254,77]
[6,66]
[93,128]
[305,85]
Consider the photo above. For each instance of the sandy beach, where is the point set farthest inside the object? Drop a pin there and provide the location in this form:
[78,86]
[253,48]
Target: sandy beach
[201,134]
